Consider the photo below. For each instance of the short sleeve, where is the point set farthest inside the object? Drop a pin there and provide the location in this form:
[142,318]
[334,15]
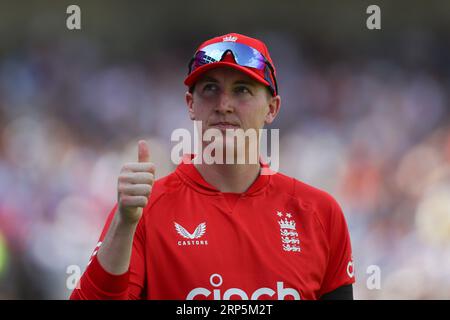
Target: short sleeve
[340,269]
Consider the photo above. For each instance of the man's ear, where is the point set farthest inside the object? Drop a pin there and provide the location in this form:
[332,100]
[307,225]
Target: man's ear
[274,108]
[190,104]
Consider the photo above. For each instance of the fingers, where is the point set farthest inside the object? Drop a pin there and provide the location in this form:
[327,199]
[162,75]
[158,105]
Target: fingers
[143,151]
[136,178]
[133,201]
[139,167]
[135,189]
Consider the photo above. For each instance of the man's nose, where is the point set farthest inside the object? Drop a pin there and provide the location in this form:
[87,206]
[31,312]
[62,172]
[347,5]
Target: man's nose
[224,103]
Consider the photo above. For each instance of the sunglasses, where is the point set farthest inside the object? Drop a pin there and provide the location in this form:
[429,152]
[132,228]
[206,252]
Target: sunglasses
[244,55]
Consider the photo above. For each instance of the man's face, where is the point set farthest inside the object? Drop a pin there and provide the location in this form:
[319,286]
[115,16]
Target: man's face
[225,98]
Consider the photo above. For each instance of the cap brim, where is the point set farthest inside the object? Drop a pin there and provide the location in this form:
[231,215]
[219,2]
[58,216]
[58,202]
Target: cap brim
[194,76]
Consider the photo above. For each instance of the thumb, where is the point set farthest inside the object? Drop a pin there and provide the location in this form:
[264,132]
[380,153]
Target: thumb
[143,151]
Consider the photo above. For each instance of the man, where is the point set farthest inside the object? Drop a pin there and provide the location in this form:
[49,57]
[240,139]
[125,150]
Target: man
[221,231]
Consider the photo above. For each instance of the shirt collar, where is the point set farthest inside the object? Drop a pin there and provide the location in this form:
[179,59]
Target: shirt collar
[189,173]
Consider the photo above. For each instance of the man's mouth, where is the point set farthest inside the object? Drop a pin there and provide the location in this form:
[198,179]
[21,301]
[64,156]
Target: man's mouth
[224,125]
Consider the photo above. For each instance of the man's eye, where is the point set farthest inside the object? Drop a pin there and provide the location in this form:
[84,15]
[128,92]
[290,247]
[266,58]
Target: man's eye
[242,89]
[210,87]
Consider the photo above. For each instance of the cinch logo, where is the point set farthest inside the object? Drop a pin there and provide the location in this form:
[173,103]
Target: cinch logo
[197,234]
[281,292]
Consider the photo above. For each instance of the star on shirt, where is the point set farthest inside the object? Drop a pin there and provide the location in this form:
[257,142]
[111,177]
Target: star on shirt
[279,214]
[288,215]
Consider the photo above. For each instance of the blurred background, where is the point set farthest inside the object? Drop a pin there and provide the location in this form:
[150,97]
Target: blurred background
[365,116]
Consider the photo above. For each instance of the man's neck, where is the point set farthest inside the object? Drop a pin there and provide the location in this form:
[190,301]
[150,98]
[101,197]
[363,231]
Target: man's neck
[235,178]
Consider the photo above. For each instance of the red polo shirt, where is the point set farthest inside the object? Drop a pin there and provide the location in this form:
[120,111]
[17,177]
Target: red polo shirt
[281,239]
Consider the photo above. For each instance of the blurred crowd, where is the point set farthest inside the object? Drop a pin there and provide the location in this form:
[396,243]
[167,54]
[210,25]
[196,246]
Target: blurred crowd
[373,132]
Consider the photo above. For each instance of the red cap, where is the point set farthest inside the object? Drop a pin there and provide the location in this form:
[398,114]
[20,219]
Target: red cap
[228,61]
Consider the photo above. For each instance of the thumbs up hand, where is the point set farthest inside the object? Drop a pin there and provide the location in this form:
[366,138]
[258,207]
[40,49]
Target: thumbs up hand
[134,185]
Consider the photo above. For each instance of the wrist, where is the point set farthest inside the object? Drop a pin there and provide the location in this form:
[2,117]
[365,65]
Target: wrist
[124,224]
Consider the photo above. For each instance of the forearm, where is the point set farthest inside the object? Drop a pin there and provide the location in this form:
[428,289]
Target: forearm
[97,283]
[115,252]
